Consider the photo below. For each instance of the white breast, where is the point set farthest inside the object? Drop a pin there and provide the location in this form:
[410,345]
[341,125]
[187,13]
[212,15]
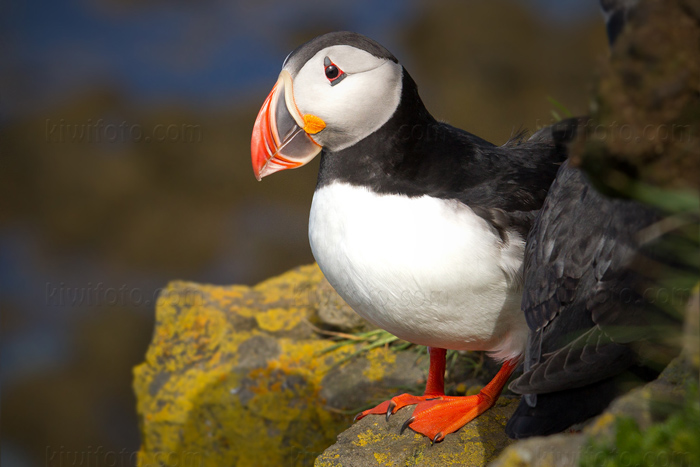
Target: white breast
[429,271]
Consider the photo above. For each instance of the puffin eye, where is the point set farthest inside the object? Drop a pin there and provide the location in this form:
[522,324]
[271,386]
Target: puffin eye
[334,74]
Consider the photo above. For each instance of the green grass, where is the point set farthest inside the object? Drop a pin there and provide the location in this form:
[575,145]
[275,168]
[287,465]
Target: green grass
[369,340]
[474,362]
[674,442]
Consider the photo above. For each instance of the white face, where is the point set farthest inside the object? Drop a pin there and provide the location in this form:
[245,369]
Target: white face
[356,105]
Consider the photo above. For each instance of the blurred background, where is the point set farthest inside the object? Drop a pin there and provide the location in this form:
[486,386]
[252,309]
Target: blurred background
[124,164]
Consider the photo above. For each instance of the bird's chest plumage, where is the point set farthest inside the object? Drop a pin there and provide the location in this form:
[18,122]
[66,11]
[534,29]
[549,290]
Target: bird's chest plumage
[427,270]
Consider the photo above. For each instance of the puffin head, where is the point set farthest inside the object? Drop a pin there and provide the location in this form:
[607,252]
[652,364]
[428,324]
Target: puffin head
[332,92]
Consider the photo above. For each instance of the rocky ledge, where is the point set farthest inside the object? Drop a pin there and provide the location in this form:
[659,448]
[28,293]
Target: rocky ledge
[375,442]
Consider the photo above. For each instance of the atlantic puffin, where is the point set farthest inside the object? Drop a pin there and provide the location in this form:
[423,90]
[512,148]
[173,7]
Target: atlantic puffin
[407,207]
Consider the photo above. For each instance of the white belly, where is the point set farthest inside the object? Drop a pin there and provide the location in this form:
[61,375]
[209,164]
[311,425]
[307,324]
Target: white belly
[429,271]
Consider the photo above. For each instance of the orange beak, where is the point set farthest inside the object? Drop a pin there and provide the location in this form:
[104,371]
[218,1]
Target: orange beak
[281,135]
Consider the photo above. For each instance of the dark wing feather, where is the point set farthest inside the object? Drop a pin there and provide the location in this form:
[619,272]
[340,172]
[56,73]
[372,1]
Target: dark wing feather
[587,271]
[583,291]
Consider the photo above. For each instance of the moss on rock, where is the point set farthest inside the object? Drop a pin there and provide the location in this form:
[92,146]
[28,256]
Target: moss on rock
[236,375]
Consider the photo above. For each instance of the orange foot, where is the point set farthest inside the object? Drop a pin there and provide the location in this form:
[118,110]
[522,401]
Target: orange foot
[436,414]
[440,417]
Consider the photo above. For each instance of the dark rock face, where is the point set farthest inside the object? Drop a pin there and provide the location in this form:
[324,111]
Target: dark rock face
[646,115]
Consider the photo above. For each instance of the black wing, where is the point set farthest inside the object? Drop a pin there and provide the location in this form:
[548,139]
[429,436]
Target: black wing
[589,270]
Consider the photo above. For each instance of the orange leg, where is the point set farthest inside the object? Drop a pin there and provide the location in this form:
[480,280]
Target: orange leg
[437,415]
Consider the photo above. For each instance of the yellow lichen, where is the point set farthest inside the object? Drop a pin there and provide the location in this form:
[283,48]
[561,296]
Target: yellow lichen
[279,319]
[189,388]
[382,459]
[363,439]
[245,312]
[602,423]
[380,360]
[473,390]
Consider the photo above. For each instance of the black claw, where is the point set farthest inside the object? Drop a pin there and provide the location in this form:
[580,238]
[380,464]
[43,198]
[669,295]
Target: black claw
[434,398]
[392,404]
[405,424]
[357,416]
[434,440]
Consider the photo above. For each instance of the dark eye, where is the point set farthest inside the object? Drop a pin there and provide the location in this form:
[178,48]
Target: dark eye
[334,74]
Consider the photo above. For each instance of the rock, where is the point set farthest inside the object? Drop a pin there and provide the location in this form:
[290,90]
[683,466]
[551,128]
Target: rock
[355,383]
[556,450]
[566,449]
[236,375]
[373,441]
[334,312]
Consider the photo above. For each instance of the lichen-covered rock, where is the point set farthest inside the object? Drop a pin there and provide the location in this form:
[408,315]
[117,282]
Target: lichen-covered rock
[235,376]
[375,442]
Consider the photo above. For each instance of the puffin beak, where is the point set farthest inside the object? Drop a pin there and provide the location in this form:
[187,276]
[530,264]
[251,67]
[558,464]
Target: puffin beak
[281,135]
